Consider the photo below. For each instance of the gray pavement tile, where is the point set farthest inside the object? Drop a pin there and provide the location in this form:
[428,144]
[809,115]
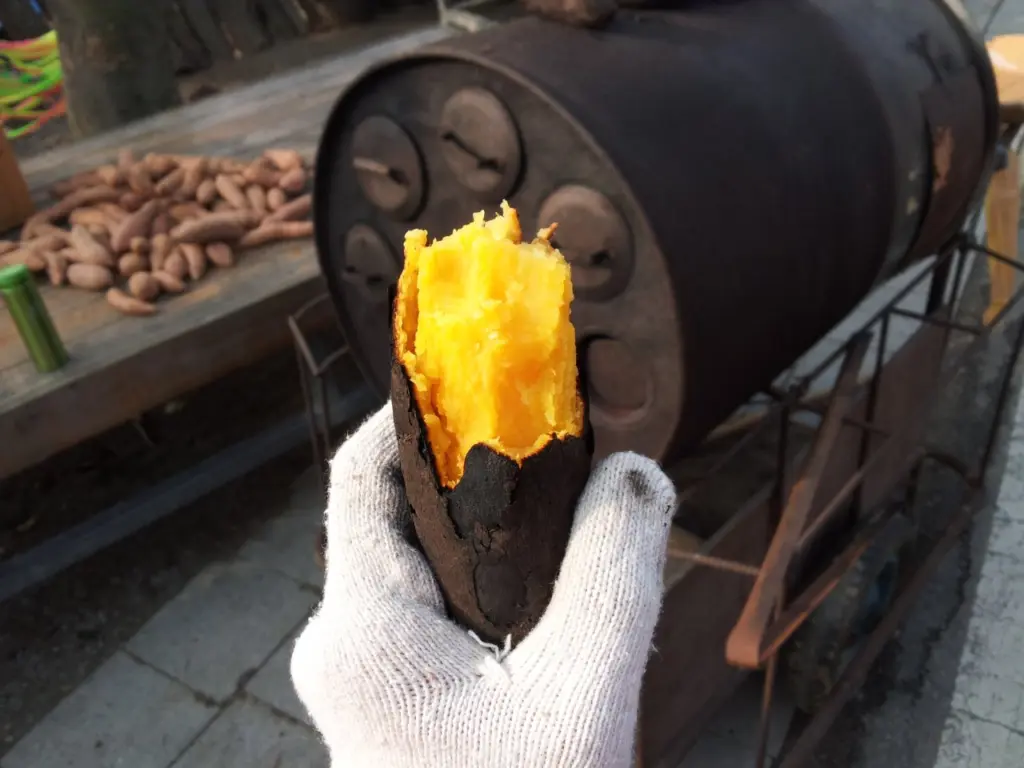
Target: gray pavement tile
[225,623]
[968,742]
[248,735]
[287,543]
[306,494]
[993,698]
[125,715]
[273,684]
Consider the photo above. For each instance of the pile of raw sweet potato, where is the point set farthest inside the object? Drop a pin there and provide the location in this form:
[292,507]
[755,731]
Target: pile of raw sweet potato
[142,228]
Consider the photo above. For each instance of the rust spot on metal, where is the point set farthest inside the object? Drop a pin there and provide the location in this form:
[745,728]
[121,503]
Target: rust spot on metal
[942,156]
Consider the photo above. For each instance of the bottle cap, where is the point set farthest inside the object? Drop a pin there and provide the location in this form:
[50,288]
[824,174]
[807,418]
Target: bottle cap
[14,276]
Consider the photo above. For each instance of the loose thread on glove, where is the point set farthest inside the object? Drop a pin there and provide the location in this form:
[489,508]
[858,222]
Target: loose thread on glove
[491,662]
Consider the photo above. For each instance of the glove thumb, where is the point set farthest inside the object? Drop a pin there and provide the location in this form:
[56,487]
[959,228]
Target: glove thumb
[608,594]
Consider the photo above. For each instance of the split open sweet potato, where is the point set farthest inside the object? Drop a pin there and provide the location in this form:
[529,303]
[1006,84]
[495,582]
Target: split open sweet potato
[491,425]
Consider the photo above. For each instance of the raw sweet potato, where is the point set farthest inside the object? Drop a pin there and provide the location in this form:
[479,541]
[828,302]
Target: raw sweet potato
[168,282]
[293,182]
[206,192]
[140,180]
[91,277]
[161,224]
[276,198]
[113,211]
[195,173]
[159,166]
[171,183]
[175,264]
[135,225]
[220,254]
[276,230]
[261,172]
[46,243]
[195,258]
[159,247]
[144,286]
[257,197]
[299,208]
[62,189]
[89,250]
[139,245]
[110,175]
[27,256]
[231,165]
[101,235]
[131,201]
[6,246]
[131,263]
[229,190]
[223,206]
[56,267]
[129,305]
[58,211]
[43,228]
[284,159]
[89,216]
[182,212]
[226,226]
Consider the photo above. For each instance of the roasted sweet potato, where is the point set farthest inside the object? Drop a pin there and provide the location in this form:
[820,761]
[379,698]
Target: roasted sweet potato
[491,425]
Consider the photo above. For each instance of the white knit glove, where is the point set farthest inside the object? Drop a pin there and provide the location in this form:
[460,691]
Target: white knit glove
[390,682]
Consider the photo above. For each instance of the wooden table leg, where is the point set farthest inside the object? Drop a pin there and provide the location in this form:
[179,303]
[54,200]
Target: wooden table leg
[1002,216]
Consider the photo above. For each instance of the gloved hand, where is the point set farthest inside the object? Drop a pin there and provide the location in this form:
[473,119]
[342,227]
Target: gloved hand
[390,682]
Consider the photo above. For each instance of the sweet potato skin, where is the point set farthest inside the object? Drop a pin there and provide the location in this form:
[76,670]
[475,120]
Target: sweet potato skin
[496,540]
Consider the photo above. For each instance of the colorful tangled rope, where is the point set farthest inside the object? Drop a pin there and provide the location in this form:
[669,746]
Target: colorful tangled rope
[31,79]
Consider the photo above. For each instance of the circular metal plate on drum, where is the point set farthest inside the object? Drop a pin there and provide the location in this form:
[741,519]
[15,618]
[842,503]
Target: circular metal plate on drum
[480,143]
[388,166]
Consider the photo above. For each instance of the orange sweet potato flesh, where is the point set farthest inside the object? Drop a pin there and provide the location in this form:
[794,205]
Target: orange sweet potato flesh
[483,331]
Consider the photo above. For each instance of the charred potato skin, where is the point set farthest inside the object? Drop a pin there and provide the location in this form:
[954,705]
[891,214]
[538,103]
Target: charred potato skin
[495,542]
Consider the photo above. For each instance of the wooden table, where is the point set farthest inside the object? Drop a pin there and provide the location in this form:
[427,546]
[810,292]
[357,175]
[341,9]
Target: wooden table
[121,366]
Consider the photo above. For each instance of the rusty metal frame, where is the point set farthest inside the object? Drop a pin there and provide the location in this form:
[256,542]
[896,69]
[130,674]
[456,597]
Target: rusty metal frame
[770,616]
[313,378]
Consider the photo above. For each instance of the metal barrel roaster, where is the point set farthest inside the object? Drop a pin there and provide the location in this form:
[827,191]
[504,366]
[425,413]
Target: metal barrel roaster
[729,179]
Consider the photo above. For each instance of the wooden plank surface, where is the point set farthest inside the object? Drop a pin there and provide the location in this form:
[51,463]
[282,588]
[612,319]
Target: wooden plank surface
[121,366]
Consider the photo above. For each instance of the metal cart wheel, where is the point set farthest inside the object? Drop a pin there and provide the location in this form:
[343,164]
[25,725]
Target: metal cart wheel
[824,645]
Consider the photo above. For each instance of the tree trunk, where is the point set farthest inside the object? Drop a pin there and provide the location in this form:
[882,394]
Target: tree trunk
[117,62]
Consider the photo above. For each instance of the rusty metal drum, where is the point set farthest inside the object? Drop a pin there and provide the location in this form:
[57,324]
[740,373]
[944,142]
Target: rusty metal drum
[730,179]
